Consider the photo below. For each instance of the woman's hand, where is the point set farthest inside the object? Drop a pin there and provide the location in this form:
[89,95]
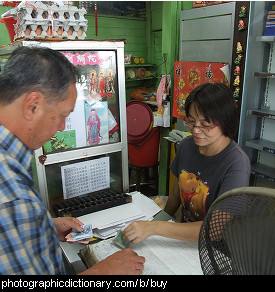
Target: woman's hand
[138,231]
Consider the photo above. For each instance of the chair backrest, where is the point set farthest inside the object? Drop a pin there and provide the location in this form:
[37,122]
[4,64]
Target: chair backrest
[238,233]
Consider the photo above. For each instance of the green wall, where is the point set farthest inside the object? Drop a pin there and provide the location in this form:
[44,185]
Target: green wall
[4,36]
[133,30]
[165,33]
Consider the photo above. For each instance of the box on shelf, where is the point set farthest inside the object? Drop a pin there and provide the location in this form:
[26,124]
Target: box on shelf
[39,20]
[270,21]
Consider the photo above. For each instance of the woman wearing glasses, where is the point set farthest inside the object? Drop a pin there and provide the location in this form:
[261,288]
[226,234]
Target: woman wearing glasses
[206,165]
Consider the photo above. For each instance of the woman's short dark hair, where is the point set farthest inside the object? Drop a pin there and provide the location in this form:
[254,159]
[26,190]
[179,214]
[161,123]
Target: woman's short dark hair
[216,103]
[36,69]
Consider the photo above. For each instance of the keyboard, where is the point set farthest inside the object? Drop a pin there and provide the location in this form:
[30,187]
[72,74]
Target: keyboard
[91,203]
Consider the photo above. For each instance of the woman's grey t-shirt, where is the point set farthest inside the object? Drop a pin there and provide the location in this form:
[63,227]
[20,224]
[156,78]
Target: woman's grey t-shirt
[203,178]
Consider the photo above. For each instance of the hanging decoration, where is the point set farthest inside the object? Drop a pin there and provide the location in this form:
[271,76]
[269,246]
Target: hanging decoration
[189,75]
[239,48]
[242,13]
[241,25]
[241,31]
[237,70]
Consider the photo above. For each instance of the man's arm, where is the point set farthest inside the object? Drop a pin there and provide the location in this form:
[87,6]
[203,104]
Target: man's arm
[125,262]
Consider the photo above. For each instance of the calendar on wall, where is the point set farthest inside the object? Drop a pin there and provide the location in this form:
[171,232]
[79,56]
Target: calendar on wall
[85,177]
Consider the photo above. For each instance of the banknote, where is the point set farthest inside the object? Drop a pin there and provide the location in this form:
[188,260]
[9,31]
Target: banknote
[86,234]
[119,241]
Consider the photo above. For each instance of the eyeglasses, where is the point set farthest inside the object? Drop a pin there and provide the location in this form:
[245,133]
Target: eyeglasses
[191,125]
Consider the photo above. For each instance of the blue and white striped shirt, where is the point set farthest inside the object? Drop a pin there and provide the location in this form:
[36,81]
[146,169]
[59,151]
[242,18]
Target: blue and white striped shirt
[29,243]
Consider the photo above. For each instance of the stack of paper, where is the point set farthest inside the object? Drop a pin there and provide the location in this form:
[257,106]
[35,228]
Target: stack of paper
[106,222]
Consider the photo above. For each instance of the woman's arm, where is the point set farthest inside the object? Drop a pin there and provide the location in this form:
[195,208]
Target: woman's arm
[139,230]
[173,201]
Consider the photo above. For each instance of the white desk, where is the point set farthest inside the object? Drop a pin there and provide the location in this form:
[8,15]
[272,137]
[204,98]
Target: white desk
[165,256]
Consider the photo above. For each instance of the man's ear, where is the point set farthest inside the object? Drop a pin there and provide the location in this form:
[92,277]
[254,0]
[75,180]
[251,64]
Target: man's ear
[32,103]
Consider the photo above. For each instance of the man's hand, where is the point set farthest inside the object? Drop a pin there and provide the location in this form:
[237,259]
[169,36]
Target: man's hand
[64,226]
[125,262]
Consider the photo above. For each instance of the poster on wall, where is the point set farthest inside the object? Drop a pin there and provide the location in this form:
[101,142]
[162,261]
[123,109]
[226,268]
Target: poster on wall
[98,71]
[90,122]
[97,130]
[189,75]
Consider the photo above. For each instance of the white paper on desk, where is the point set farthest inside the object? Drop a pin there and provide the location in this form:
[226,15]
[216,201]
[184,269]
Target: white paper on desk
[180,257]
[112,216]
[164,256]
[106,222]
[148,206]
[112,231]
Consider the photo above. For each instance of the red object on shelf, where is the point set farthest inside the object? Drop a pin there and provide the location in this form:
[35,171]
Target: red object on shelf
[9,22]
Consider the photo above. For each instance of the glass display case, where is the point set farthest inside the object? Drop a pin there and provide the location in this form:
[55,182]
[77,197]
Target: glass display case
[91,154]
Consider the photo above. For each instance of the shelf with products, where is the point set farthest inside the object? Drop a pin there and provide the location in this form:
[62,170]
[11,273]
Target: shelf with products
[258,108]
[139,72]
[264,146]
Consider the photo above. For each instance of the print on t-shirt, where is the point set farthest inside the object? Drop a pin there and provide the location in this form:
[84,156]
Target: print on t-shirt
[193,194]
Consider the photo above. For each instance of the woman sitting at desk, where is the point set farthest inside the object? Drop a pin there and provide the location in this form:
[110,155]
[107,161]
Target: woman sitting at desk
[206,165]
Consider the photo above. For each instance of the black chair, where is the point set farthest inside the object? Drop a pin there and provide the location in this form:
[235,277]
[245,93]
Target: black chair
[237,236]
